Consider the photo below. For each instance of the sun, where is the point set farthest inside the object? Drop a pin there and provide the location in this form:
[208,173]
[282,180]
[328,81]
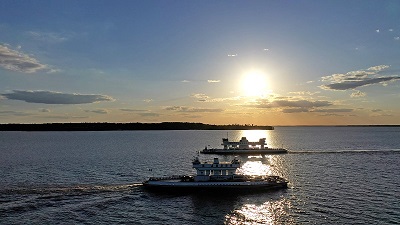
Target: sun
[254,84]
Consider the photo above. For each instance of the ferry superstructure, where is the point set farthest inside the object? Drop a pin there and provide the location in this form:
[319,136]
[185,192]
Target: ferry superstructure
[215,175]
[243,147]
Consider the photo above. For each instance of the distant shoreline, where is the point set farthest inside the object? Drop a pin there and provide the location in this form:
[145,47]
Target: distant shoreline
[150,126]
[127,126]
[366,125]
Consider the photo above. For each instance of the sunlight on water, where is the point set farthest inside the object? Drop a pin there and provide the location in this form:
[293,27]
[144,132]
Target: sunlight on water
[269,212]
[262,165]
[255,135]
[254,168]
[277,166]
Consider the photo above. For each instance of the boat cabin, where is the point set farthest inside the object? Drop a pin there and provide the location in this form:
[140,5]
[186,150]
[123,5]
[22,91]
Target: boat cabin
[243,144]
[216,170]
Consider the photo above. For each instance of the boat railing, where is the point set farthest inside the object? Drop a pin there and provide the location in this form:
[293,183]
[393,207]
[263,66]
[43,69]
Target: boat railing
[173,177]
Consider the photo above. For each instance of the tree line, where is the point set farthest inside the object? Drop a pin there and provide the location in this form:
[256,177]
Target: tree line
[127,126]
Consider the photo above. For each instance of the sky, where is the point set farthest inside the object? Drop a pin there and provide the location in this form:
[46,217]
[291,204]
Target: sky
[217,62]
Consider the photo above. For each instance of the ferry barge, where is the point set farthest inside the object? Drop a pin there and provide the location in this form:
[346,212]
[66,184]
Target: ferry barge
[215,175]
[243,147]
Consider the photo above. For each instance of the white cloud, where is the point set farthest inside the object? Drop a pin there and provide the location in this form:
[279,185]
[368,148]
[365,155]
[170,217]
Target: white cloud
[213,81]
[17,61]
[51,37]
[303,93]
[200,97]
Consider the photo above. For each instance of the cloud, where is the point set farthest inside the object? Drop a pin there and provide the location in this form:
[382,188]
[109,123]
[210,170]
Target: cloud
[200,97]
[149,114]
[133,110]
[304,93]
[291,103]
[141,112]
[295,110]
[204,98]
[15,113]
[359,78]
[63,117]
[44,110]
[191,109]
[354,84]
[49,97]
[333,110]
[332,114]
[98,111]
[358,94]
[213,81]
[51,37]
[17,61]
[185,81]
[330,111]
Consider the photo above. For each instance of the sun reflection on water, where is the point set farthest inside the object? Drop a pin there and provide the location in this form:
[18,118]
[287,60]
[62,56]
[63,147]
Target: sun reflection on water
[254,168]
[262,165]
[255,210]
[269,212]
[255,135]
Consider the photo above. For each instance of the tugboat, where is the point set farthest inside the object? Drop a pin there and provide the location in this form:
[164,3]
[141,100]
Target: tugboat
[215,175]
[244,147]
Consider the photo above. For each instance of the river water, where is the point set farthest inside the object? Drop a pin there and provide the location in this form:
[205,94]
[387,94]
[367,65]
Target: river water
[337,175]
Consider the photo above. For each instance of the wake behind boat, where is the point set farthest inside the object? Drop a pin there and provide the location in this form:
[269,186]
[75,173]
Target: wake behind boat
[216,176]
[243,147]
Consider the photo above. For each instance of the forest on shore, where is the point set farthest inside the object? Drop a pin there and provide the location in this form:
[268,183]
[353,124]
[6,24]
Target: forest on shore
[127,126]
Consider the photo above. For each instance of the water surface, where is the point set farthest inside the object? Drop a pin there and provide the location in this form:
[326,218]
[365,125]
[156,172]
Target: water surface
[337,175]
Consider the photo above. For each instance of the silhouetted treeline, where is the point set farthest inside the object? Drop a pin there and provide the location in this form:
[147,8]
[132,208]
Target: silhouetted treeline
[127,126]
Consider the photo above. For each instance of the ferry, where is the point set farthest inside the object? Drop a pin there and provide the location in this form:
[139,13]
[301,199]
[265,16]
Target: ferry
[243,147]
[215,175]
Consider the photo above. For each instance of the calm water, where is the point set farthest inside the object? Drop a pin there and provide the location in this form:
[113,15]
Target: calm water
[337,175]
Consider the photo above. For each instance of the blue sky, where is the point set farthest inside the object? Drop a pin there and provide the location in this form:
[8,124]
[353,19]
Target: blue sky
[246,62]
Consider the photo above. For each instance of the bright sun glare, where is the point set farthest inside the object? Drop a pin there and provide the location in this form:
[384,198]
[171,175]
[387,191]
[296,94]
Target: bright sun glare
[254,84]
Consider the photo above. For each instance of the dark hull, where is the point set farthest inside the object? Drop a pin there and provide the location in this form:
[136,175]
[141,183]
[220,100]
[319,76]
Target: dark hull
[213,189]
[244,152]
